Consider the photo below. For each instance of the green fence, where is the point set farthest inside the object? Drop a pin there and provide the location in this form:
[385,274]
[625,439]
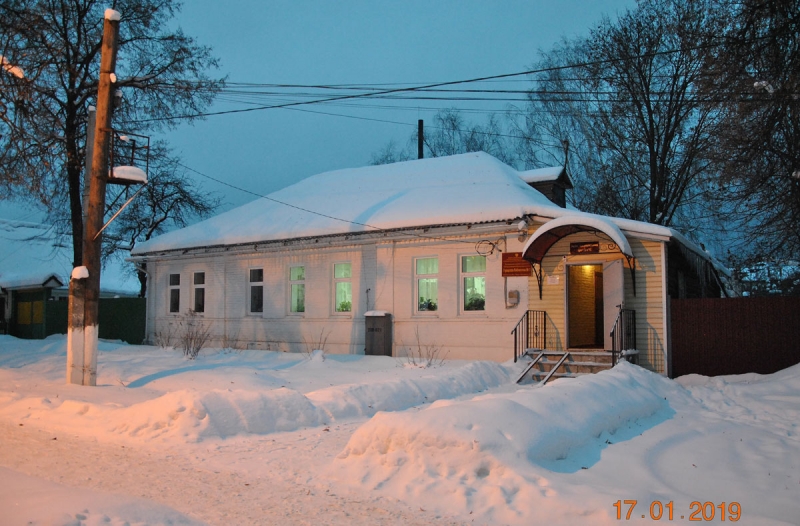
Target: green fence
[119,319]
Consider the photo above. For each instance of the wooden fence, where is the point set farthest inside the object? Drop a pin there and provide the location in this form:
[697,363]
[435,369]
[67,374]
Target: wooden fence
[720,336]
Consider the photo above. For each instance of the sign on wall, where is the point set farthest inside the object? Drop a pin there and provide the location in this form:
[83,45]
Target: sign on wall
[514,265]
[586,247]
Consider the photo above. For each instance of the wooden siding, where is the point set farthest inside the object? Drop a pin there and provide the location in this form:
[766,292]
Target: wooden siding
[648,301]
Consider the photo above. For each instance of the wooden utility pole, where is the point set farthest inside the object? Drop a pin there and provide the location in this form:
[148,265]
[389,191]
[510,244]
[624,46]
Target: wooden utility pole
[84,287]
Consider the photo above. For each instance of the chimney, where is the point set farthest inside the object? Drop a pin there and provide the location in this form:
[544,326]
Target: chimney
[420,139]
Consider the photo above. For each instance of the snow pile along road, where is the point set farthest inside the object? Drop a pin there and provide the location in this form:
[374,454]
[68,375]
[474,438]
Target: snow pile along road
[487,453]
[194,414]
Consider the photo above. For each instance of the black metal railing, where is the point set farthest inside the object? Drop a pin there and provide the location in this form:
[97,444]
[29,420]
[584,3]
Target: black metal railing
[530,332]
[623,334]
[128,149]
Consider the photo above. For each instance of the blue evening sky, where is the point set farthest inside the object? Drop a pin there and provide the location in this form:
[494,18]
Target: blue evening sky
[351,42]
[354,42]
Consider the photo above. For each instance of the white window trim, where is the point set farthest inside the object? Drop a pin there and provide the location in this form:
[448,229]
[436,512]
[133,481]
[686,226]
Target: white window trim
[335,280]
[170,288]
[248,293]
[291,282]
[194,291]
[415,286]
[462,291]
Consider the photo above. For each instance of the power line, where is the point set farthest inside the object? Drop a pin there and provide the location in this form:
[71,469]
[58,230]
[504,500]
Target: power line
[419,88]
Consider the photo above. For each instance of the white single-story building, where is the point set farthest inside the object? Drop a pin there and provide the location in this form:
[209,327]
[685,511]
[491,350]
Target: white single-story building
[450,253]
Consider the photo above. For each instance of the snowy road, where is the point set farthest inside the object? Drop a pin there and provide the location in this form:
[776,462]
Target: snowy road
[257,437]
[265,481]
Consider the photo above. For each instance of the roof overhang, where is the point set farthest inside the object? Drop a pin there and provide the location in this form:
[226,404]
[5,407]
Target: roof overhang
[553,231]
[48,281]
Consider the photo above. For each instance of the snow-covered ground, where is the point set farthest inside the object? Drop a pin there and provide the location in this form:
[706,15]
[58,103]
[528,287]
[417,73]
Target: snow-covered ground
[257,437]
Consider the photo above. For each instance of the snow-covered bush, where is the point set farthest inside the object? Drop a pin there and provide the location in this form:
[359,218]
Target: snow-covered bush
[425,355]
[316,343]
[193,334]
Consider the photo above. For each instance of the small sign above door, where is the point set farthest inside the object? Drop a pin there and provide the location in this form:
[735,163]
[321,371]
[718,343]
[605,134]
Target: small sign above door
[586,247]
[514,265]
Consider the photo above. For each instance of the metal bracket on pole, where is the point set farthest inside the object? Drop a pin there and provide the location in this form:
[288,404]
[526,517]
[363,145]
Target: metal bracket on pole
[119,211]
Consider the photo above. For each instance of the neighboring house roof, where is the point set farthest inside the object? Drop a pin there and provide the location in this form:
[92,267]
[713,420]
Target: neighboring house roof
[34,256]
[30,281]
[459,189]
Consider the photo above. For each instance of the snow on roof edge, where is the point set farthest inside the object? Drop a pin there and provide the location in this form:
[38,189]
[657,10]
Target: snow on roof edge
[538,175]
[599,222]
[29,282]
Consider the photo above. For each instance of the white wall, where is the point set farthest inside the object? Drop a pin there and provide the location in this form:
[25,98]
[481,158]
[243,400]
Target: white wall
[382,279]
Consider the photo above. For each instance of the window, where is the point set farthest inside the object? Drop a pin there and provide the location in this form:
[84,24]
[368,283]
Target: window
[256,290]
[427,272]
[343,287]
[473,270]
[199,291]
[297,289]
[174,293]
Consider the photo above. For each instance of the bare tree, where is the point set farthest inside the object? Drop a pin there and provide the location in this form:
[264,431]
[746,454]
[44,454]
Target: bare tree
[641,140]
[391,153]
[451,134]
[169,200]
[755,79]
[52,50]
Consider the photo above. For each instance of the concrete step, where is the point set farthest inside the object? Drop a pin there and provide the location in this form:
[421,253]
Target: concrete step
[571,367]
[576,364]
[576,356]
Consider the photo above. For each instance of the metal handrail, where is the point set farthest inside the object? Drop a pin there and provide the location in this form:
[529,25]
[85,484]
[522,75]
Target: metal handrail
[623,333]
[530,332]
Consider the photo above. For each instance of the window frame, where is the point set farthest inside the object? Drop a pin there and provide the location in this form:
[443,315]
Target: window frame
[290,290]
[196,287]
[251,285]
[173,289]
[417,278]
[464,276]
[336,281]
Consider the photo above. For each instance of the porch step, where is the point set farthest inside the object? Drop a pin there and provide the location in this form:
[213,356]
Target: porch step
[575,364]
[577,356]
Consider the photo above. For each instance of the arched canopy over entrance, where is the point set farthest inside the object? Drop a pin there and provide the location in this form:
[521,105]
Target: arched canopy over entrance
[551,232]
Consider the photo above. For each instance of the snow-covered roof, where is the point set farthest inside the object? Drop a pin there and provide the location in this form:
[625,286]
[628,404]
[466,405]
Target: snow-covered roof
[30,281]
[34,254]
[466,188]
[540,175]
